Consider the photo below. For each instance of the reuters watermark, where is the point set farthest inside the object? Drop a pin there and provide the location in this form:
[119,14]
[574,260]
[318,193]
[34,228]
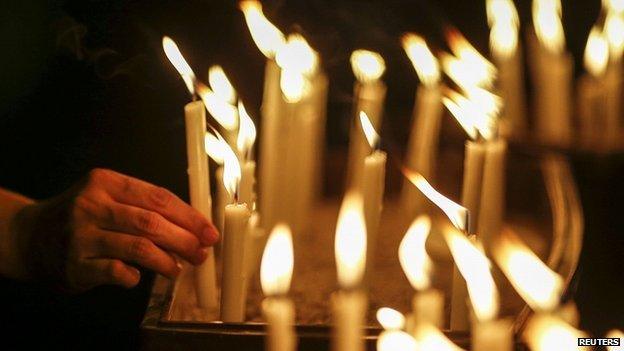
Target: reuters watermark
[598,342]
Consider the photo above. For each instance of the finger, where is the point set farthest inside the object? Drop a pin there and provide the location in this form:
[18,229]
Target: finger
[135,192]
[153,226]
[138,250]
[101,271]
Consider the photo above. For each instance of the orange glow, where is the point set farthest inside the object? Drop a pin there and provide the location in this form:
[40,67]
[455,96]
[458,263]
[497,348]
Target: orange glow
[423,60]
[277,263]
[350,242]
[368,66]
[266,36]
[413,255]
[177,60]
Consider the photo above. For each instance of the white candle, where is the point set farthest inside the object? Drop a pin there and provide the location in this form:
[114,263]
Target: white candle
[426,120]
[492,202]
[428,308]
[369,94]
[474,159]
[349,305]
[493,335]
[275,276]
[256,238]
[614,32]
[223,199]
[233,292]
[247,195]
[459,303]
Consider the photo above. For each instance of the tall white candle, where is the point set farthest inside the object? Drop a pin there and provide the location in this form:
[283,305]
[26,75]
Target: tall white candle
[426,120]
[614,32]
[247,194]
[275,276]
[492,205]
[369,94]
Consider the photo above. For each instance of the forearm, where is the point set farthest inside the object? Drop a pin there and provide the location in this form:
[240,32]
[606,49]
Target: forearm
[10,205]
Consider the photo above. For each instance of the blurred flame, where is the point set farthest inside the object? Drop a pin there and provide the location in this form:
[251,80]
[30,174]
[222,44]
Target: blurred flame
[368,66]
[215,147]
[395,340]
[350,242]
[277,263]
[423,60]
[221,85]
[369,131]
[413,256]
[457,214]
[469,68]
[297,55]
[547,24]
[537,284]
[615,334]
[614,31]
[504,26]
[430,338]
[294,85]
[546,333]
[231,169]
[613,5]
[596,55]
[390,319]
[266,36]
[474,266]
[477,112]
[246,131]
[177,60]
[224,113]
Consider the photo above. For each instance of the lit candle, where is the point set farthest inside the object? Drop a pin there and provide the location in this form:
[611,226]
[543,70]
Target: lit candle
[430,338]
[199,182]
[268,39]
[224,91]
[275,276]
[552,71]
[591,91]
[615,334]
[369,95]
[349,304]
[428,303]
[244,144]
[394,340]
[545,332]
[426,120]
[216,148]
[372,190]
[390,319]
[488,333]
[614,31]
[507,54]
[233,280]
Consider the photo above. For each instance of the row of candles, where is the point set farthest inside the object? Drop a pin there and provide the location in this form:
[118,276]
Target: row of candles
[293,109]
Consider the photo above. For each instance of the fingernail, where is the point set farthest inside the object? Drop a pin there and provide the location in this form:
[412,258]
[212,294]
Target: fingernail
[201,256]
[136,273]
[210,235]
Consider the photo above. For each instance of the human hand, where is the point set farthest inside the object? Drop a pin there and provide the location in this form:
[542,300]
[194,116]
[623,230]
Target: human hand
[94,233]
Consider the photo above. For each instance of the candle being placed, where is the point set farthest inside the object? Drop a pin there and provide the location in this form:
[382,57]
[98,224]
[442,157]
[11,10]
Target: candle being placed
[372,190]
[199,181]
[234,275]
[349,304]
[369,94]
[507,55]
[426,120]
[428,303]
[552,70]
[488,333]
[268,39]
[275,276]
[591,92]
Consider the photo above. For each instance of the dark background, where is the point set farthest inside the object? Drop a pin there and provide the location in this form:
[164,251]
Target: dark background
[85,84]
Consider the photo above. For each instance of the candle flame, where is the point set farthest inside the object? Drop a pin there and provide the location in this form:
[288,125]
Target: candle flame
[177,60]
[469,67]
[615,334]
[350,242]
[368,66]
[537,284]
[277,263]
[547,24]
[223,112]
[266,36]
[614,31]
[477,113]
[369,131]
[390,319]
[413,255]
[545,333]
[396,340]
[457,214]
[430,338]
[474,266]
[298,61]
[613,5]
[423,60]
[246,131]
[221,85]
[504,25]
[231,169]
[596,55]
[294,85]
[215,147]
